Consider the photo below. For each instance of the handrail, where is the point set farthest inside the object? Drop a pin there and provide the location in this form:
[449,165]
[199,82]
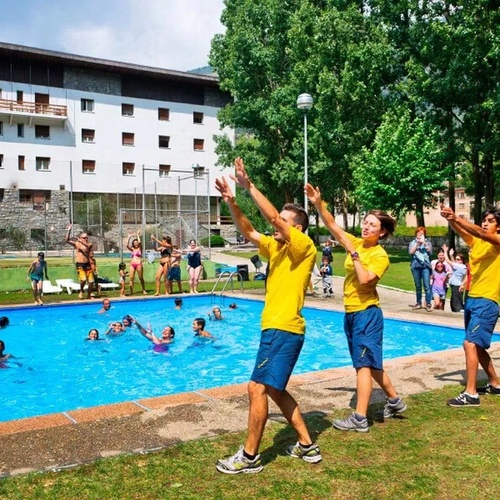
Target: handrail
[229,279]
[33,107]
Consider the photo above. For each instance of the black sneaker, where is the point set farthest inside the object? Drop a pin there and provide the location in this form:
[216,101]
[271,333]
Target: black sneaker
[488,389]
[462,400]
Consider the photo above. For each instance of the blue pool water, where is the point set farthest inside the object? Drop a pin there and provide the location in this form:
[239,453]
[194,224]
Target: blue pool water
[57,370]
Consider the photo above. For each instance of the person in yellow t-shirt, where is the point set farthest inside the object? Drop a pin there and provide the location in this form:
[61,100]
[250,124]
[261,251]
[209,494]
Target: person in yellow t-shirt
[291,256]
[365,264]
[481,307]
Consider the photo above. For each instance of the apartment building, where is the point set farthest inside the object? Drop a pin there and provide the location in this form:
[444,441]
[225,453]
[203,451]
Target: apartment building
[464,207]
[79,133]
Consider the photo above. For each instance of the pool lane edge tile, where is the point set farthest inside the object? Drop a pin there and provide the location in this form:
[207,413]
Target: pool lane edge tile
[34,423]
[106,411]
[160,402]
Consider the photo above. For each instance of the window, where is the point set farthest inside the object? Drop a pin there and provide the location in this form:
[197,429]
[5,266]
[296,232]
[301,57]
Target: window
[164,114]
[164,141]
[127,110]
[20,162]
[1,128]
[88,166]
[127,138]
[198,144]
[164,170]
[20,130]
[88,105]
[1,161]
[197,117]
[42,131]
[88,135]
[19,96]
[128,168]
[461,206]
[42,163]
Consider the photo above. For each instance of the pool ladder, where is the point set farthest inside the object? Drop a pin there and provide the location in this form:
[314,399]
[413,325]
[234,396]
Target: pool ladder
[230,276]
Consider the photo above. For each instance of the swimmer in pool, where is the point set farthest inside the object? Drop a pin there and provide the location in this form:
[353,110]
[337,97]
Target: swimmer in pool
[199,329]
[106,306]
[216,314]
[3,356]
[127,321]
[115,328]
[178,303]
[160,344]
[93,334]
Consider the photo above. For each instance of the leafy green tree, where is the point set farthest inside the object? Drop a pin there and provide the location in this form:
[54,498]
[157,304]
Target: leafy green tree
[447,56]
[274,50]
[402,170]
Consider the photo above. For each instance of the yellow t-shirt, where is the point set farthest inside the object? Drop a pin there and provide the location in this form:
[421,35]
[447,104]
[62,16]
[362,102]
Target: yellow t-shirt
[290,266]
[358,297]
[484,261]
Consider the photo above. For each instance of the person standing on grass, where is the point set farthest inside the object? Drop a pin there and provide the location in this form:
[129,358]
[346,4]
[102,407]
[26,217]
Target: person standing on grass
[134,245]
[291,255]
[83,261]
[420,250]
[35,274]
[458,273]
[481,307]
[365,264]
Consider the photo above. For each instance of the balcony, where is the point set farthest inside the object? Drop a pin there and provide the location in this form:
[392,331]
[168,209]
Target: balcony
[32,113]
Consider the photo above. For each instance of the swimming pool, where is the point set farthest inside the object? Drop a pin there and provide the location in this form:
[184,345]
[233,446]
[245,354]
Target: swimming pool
[57,370]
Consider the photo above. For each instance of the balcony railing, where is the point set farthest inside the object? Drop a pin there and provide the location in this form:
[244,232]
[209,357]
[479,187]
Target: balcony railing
[33,108]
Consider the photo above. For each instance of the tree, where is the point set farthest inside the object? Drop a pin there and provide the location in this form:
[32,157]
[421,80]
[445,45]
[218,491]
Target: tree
[402,170]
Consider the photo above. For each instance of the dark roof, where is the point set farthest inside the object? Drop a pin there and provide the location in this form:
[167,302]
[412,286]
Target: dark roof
[51,56]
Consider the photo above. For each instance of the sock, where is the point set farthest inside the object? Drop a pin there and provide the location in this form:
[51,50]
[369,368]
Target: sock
[359,417]
[472,395]
[393,401]
[248,456]
[305,446]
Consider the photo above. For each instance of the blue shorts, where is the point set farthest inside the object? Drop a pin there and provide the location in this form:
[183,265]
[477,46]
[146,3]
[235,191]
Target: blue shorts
[174,273]
[276,358]
[480,316]
[36,278]
[364,331]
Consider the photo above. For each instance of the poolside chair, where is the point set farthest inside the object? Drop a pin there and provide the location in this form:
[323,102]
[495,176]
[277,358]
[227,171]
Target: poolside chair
[69,284]
[48,287]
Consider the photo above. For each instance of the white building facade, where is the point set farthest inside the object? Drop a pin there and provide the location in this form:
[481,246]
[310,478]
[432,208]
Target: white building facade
[78,133]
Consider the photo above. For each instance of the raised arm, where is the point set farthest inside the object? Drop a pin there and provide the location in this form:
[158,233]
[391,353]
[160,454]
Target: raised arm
[242,223]
[314,196]
[144,331]
[265,207]
[467,230]
[67,238]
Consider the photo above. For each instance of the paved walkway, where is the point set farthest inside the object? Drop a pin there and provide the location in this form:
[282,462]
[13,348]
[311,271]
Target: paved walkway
[64,440]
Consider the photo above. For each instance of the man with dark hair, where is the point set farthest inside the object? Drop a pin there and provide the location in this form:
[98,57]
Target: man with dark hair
[84,261]
[291,255]
[481,307]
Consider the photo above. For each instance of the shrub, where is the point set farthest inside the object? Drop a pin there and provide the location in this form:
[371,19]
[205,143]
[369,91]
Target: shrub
[215,241]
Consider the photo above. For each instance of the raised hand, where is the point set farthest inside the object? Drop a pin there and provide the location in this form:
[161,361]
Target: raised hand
[447,213]
[241,176]
[223,187]
[313,193]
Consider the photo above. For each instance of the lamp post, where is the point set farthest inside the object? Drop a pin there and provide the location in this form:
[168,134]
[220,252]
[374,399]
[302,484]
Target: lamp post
[305,102]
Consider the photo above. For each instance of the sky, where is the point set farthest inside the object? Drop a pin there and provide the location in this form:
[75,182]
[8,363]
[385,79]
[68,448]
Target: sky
[169,34]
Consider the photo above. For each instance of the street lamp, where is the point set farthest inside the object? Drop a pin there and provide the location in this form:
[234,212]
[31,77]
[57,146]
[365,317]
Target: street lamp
[305,102]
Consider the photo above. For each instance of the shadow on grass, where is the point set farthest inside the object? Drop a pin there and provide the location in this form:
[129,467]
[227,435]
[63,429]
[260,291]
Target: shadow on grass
[316,422]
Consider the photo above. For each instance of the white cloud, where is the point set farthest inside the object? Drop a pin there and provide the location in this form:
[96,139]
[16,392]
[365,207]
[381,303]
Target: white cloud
[173,34]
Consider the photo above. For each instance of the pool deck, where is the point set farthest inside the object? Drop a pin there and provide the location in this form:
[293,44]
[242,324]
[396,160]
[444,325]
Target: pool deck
[67,439]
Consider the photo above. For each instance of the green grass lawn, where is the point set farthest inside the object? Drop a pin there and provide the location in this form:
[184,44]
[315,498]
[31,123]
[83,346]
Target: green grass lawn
[434,452]
[16,289]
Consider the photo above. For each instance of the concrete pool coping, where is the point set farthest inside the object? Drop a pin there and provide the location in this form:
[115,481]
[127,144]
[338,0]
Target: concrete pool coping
[70,438]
